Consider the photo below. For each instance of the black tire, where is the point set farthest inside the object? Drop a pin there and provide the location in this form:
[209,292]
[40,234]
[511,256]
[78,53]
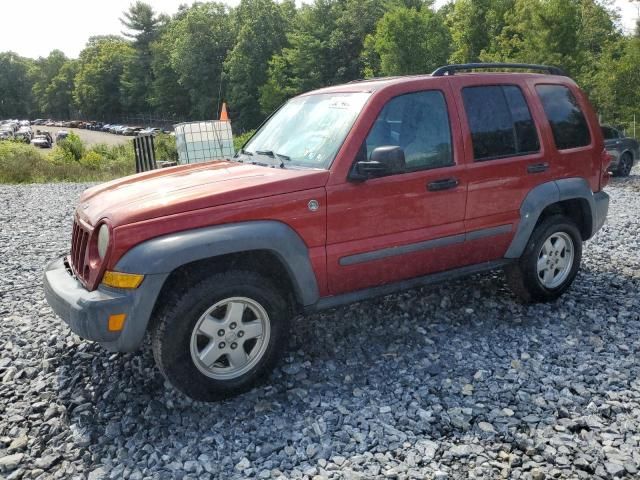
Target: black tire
[171,334]
[523,277]
[625,165]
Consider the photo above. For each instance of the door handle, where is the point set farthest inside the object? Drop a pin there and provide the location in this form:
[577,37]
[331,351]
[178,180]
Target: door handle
[445,184]
[538,168]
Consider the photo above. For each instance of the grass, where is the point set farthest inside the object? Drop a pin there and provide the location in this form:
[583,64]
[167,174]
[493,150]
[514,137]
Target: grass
[71,160]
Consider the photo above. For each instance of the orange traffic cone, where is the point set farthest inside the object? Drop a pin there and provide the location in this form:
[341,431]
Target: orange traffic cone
[224,116]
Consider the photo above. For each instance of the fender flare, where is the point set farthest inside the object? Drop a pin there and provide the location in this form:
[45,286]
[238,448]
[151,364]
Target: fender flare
[164,254]
[545,195]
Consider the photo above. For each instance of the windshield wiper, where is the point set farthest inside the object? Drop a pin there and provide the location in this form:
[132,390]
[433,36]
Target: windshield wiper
[272,154]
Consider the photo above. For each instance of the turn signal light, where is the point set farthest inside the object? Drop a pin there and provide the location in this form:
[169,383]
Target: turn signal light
[116,322]
[122,280]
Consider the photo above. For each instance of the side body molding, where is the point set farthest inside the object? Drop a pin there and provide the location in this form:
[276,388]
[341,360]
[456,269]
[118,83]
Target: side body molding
[547,194]
[164,254]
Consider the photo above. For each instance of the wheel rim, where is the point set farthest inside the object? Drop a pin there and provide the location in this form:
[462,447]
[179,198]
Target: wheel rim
[555,260]
[230,338]
[626,165]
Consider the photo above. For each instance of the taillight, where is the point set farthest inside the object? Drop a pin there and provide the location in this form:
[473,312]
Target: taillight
[605,162]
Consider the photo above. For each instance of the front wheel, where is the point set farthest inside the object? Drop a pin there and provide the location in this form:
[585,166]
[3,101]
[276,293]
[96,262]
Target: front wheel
[222,336]
[550,262]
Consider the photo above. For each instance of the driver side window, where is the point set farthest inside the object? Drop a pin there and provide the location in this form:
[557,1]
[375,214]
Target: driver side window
[419,124]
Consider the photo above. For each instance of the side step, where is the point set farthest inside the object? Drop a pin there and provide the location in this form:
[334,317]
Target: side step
[352,297]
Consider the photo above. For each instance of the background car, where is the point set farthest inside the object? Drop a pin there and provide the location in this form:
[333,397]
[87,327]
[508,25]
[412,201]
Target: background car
[42,140]
[61,135]
[624,150]
[24,134]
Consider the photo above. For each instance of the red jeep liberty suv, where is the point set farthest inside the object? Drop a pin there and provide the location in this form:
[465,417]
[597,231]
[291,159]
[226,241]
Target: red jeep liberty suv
[345,193]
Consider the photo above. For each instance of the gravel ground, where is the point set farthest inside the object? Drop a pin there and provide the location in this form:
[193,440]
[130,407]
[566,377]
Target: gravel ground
[90,137]
[458,381]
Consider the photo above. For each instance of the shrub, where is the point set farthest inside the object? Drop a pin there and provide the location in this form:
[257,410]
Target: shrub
[72,147]
[166,148]
[240,140]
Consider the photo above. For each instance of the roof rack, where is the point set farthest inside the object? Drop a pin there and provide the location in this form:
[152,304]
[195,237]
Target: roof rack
[452,69]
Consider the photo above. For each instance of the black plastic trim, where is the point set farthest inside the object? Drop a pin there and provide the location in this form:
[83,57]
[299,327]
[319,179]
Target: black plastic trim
[352,297]
[452,69]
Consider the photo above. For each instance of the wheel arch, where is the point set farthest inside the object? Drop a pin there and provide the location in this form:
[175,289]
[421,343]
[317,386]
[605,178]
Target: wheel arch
[570,196]
[266,246]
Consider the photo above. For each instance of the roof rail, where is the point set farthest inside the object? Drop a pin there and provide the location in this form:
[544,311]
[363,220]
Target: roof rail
[452,69]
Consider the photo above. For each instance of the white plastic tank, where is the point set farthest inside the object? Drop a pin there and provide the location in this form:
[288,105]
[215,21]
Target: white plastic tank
[199,142]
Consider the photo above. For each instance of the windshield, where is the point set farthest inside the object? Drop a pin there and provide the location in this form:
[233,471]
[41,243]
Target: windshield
[308,131]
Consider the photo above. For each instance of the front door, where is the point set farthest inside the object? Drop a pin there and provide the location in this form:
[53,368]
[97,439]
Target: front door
[410,223]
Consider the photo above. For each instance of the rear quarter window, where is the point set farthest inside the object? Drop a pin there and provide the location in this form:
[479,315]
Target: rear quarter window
[568,123]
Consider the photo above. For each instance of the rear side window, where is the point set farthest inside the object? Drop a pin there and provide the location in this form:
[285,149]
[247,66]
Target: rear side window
[500,122]
[609,133]
[567,121]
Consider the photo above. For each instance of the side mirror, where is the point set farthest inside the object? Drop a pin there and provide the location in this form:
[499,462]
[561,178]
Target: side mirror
[386,160]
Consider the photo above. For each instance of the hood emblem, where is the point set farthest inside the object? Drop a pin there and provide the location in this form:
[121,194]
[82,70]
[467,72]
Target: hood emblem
[85,206]
[313,205]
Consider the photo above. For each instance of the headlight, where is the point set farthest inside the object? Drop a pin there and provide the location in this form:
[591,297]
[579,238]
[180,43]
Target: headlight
[103,240]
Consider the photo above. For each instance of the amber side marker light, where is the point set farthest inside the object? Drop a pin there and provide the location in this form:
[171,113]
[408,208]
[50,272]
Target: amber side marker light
[116,322]
[122,280]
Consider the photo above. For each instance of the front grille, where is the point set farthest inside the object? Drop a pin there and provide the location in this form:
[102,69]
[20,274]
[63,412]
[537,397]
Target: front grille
[79,243]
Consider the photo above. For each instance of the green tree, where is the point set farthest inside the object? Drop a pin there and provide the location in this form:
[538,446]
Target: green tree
[53,85]
[100,68]
[197,44]
[15,85]
[261,30]
[409,41]
[474,24]
[143,26]
[325,45]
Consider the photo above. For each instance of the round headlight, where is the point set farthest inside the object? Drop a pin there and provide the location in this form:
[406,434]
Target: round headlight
[103,240]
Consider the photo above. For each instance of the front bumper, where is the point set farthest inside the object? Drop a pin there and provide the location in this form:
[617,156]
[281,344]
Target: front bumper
[87,313]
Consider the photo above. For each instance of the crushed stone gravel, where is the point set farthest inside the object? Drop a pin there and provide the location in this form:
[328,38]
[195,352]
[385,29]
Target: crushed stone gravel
[453,381]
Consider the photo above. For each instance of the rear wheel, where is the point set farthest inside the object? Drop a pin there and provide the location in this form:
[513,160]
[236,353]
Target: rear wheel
[549,263]
[221,336]
[625,165]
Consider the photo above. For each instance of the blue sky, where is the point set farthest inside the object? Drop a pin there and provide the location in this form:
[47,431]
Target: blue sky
[33,28]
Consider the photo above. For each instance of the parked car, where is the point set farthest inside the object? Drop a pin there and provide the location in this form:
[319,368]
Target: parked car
[6,134]
[114,128]
[42,140]
[24,134]
[345,193]
[106,127]
[624,151]
[150,131]
[61,135]
[131,130]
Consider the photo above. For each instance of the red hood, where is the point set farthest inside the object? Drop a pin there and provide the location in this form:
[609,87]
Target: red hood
[189,187]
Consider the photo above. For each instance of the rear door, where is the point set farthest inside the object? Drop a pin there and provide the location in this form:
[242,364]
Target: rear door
[506,158]
[410,223]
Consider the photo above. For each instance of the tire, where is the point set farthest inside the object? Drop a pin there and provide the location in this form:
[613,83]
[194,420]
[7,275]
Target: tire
[625,165]
[203,334]
[532,281]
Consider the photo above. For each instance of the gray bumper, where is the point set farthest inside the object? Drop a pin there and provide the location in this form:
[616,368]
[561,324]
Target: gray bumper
[601,204]
[87,313]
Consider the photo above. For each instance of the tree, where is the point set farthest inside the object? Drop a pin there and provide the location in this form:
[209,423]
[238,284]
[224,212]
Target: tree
[143,26]
[100,69]
[53,85]
[15,85]
[325,45]
[409,41]
[474,24]
[197,44]
[261,33]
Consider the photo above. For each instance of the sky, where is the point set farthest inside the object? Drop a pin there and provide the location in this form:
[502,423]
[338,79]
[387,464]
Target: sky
[32,28]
